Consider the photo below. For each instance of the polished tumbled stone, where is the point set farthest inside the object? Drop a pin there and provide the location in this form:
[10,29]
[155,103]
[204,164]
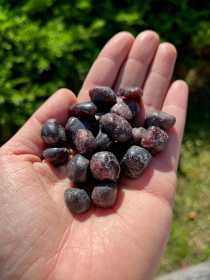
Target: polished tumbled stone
[130,92]
[104,194]
[103,97]
[104,166]
[56,156]
[78,170]
[126,108]
[77,199]
[154,140]
[83,110]
[84,141]
[160,119]
[53,134]
[135,161]
[117,127]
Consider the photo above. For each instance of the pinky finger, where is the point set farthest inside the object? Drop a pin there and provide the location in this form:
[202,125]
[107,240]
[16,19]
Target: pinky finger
[175,104]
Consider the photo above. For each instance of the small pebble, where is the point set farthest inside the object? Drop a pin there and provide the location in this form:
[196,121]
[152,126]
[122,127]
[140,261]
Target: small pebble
[160,119]
[154,140]
[130,92]
[104,166]
[103,97]
[117,127]
[85,141]
[77,199]
[53,134]
[104,194]
[126,108]
[83,110]
[56,156]
[78,170]
[135,161]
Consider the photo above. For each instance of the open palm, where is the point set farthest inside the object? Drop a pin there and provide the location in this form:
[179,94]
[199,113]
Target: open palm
[39,237]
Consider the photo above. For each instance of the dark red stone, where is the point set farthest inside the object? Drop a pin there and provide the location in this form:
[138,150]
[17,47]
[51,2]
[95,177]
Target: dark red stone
[117,127]
[154,140]
[126,108]
[104,194]
[103,97]
[83,110]
[85,141]
[72,126]
[135,161]
[104,166]
[137,134]
[77,199]
[130,92]
[160,119]
[56,156]
[78,170]
[53,134]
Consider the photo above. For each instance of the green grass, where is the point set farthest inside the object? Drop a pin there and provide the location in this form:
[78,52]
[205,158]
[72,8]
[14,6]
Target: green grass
[189,241]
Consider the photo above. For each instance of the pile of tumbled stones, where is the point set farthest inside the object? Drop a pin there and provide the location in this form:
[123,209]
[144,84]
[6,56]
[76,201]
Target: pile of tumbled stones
[100,131]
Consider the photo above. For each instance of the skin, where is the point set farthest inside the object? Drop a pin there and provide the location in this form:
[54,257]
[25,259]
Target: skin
[39,237]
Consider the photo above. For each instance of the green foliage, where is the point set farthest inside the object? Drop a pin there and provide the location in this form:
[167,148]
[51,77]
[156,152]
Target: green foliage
[50,44]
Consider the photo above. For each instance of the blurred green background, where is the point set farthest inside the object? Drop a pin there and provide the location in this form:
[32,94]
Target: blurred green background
[45,45]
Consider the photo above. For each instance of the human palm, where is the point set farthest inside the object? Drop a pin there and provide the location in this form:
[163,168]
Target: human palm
[39,237]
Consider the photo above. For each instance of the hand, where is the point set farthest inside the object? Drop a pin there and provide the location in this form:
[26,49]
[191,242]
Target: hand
[39,237]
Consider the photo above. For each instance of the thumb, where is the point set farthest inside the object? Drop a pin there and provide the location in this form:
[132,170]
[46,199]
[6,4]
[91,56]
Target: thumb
[27,140]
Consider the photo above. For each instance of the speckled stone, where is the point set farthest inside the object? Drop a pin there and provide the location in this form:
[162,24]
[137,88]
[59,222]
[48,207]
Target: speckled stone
[160,119]
[53,134]
[130,92]
[77,199]
[154,140]
[117,127]
[135,161]
[78,170]
[83,110]
[56,156]
[104,166]
[103,97]
[104,194]
[126,108]
[85,141]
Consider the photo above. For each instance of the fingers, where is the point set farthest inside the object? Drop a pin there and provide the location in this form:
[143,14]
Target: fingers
[159,76]
[106,67]
[136,65]
[175,104]
[28,140]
